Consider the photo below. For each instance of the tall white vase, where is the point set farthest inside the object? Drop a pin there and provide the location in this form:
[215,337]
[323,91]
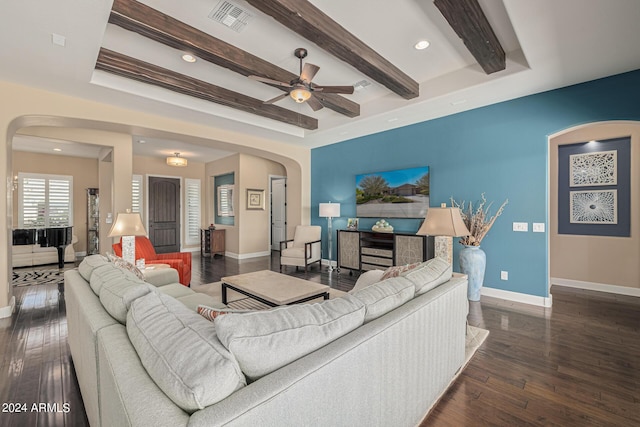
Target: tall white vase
[473,262]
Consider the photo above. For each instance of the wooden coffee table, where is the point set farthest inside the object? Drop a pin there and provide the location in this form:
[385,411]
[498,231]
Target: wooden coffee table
[273,288]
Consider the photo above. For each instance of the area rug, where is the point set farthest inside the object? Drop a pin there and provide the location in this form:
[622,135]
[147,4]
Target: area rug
[36,277]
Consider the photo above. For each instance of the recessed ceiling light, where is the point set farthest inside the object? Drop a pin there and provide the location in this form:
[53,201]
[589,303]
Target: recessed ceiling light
[142,141]
[393,119]
[422,44]
[57,149]
[188,57]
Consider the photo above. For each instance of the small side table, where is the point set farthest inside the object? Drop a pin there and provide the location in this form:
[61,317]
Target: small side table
[212,242]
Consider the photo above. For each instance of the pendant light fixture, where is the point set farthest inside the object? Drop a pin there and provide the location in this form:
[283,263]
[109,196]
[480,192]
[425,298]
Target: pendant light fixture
[176,160]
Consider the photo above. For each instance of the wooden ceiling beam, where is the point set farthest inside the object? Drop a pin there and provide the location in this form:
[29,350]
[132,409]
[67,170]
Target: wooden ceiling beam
[470,24]
[148,22]
[311,23]
[134,69]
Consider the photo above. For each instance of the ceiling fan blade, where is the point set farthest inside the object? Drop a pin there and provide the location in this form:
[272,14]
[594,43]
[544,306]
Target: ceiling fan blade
[308,72]
[335,89]
[276,99]
[314,103]
[269,81]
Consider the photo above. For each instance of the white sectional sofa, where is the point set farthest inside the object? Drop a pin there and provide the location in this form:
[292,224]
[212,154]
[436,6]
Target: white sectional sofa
[379,356]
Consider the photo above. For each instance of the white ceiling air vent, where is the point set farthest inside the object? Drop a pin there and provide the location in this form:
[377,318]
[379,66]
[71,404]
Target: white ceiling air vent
[230,15]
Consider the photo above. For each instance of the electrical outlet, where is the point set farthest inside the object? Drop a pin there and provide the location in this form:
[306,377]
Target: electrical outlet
[521,226]
[538,227]
[504,275]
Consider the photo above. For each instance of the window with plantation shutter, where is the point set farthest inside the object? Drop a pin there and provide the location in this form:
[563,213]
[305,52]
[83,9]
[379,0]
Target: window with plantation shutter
[136,194]
[45,200]
[192,224]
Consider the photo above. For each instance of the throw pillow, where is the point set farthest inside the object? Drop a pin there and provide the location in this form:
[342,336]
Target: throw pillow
[210,313]
[125,265]
[429,274]
[382,297]
[397,270]
[367,278]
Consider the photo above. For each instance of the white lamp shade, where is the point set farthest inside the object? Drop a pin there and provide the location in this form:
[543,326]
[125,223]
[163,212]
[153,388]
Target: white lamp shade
[127,224]
[443,222]
[329,210]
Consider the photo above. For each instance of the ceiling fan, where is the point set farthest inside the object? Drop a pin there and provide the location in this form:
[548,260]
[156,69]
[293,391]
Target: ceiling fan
[301,88]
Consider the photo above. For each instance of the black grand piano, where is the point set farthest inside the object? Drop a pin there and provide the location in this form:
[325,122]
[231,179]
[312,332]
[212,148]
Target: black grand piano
[50,237]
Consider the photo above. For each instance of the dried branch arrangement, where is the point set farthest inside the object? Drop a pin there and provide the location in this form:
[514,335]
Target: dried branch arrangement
[477,220]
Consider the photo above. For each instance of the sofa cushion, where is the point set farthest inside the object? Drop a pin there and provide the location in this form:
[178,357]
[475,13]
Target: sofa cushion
[263,341]
[429,274]
[382,297]
[117,295]
[293,252]
[175,290]
[181,352]
[367,278]
[21,249]
[161,276]
[89,264]
[104,274]
[195,299]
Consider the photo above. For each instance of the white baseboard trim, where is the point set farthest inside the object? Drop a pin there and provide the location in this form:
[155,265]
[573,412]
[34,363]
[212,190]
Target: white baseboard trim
[8,310]
[326,262]
[601,287]
[247,256]
[517,297]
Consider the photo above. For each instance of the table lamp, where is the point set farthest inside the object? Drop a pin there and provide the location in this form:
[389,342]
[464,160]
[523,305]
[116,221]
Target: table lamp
[444,223]
[128,225]
[329,211]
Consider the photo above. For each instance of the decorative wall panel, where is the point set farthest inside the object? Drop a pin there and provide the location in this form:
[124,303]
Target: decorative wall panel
[599,168]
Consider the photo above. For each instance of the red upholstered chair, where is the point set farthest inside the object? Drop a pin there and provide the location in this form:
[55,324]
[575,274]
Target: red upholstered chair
[181,261]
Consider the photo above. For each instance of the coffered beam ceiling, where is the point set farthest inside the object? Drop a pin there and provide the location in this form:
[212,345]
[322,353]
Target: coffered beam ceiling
[131,68]
[311,23]
[148,22]
[470,24]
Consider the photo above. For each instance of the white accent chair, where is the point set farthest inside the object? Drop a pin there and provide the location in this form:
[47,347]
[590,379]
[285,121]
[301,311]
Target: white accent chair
[304,249]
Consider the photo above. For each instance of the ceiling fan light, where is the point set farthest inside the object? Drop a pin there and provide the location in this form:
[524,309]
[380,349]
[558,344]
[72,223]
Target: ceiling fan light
[300,95]
[177,160]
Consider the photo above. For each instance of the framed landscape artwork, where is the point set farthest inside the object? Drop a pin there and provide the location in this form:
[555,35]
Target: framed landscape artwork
[400,193]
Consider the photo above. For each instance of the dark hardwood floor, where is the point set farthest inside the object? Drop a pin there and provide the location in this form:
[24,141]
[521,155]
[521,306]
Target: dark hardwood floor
[574,365]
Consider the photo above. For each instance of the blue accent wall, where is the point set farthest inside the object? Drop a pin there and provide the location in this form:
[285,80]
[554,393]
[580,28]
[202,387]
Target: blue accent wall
[500,150]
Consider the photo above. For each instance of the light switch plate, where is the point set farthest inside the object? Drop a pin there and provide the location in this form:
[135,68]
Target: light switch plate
[521,226]
[538,227]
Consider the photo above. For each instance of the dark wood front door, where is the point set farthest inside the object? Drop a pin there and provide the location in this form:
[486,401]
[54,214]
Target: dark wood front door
[164,214]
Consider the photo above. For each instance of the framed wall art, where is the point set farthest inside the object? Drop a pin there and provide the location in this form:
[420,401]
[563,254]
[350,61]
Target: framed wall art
[255,199]
[594,188]
[594,207]
[594,169]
